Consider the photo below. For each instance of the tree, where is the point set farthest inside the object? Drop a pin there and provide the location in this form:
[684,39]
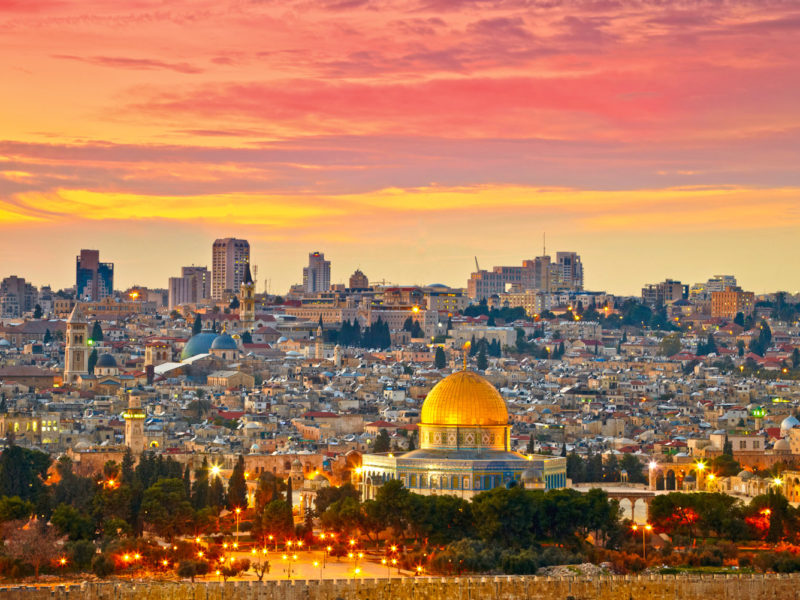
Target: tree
[166,508]
[37,311]
[247,338]
[103,565]
[233,567]
[32,542]
[97,332]
[92,362]
[482,361]
[328,495]
[670,345]
[72,523]
[277,519]
[260,567]
[14,508]
[382,442]
[237,486]
[197,327]
[531,447]
[48,337]
[727,447]
[189,569]
[234,304]
[289,491]
[439,358]
[739,319]
[22,472]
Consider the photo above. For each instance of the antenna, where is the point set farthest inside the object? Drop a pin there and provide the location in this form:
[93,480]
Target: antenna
[544,244]
[477,268]
[255,273]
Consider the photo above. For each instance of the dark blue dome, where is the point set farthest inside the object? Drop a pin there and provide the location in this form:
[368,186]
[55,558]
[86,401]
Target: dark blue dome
[107,361]
[224,342]
[198,344]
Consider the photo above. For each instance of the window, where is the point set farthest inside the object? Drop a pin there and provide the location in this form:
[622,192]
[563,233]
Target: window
[756,445]
[742,444]
[413,481]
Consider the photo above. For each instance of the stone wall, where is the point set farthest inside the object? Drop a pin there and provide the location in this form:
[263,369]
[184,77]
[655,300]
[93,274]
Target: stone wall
[688,587]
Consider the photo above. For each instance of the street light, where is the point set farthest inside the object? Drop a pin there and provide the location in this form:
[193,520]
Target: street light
[647,528]
[237,511]
[289,560]
[317,564]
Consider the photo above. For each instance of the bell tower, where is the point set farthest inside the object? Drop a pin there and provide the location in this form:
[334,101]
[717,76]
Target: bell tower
[76,351]
[247,301]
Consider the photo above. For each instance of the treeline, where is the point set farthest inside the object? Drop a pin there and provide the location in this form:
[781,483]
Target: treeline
[502,529]
[351,334]
[686,516]
[594,469]
[101,510]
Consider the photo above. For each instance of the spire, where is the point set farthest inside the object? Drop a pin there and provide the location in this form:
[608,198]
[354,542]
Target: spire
[247,277]
[76,316]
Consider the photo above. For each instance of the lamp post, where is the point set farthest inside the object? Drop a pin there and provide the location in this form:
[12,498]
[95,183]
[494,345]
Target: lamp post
[289,560]
[645,530]
[237,510]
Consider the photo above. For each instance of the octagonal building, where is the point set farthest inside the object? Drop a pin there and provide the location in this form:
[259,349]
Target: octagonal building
[465,442]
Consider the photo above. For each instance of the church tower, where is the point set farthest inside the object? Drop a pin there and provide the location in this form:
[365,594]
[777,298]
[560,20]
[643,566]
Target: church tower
[247,301]
[76,352]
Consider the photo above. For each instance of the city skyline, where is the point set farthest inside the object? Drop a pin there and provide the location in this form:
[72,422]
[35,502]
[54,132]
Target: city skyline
[403,138]
[340,274]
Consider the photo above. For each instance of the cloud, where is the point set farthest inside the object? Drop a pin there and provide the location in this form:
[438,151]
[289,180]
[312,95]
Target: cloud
[121,62]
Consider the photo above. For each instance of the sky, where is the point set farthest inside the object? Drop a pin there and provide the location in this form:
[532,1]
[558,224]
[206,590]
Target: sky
[403,137]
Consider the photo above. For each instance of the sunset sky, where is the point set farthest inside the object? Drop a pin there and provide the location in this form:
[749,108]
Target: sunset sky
[657,139]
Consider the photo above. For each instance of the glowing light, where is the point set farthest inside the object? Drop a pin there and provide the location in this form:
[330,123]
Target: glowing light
[711,477]
[62,561]
[701,466]
[777,481]
[238,510]
[200,554]
[648,527]
[215,470]
[653,465]
[415,309]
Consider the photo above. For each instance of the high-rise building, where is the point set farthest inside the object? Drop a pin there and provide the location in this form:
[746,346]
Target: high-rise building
[317,275]
[358,281]
[726,304]
[538,274]
[16,297]
[93,280]
[193,286]
[570,271]
[229,258]
[656,295]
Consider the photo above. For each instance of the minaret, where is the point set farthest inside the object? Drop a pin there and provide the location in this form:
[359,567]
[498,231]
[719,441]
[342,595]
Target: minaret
[318,352]
[337,357]
[76,352]
[247,301]
[134,425]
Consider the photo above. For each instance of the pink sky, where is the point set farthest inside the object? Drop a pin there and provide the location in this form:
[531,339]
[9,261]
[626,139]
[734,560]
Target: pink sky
[657,139]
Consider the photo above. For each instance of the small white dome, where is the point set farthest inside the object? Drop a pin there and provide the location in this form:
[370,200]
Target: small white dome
[782,445]
[788,423]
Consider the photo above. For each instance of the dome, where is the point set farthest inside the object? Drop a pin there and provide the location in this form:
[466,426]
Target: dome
[789,423]
[531,476]
[224,342]
[782,444]
[745,475]
[198,344]
[106,361]
[254,449]
[464,399]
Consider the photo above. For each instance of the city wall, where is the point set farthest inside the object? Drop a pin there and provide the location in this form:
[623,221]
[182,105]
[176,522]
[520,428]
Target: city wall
[645,587]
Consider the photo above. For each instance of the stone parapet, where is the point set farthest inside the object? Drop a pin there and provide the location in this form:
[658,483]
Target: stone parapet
[629,587]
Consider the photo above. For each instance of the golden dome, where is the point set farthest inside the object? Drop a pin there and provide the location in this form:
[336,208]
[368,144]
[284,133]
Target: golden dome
[464,399]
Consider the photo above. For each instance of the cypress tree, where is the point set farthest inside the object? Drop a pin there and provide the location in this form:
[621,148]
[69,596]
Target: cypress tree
[289,490]
[197,327]
[237,486]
